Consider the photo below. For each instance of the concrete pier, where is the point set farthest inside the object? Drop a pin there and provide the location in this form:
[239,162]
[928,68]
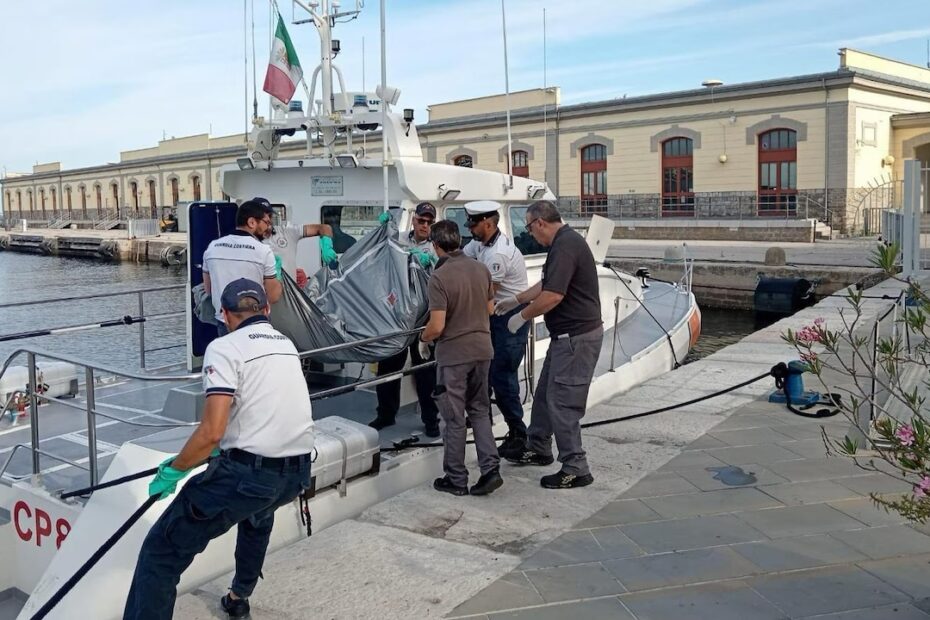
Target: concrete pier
[114,245]
[661,533]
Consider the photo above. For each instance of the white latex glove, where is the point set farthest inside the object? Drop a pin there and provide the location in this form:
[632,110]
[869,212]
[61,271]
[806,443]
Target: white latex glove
[515,322]
[423,348]
[506,305]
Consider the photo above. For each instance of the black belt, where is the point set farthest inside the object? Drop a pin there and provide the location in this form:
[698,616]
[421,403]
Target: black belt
[267,462]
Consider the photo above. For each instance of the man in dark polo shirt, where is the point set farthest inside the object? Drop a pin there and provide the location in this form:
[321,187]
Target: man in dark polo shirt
[460,303]
[567,297]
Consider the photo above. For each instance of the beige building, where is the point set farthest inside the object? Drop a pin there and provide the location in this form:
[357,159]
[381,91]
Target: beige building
[827,145]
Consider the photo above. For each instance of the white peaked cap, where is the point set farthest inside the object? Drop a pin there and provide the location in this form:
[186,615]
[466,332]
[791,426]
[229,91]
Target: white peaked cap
[481,207]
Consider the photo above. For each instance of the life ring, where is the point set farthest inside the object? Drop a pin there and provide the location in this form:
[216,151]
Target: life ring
[5,242]
[174,255]
[108,250]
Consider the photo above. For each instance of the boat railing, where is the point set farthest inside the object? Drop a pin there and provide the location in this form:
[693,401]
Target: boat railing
[141,318]
[89,407]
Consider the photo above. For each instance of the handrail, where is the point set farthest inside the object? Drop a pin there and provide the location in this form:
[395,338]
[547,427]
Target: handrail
[354,343]
[61,357]
[93,296]
[108,416]
[9,459]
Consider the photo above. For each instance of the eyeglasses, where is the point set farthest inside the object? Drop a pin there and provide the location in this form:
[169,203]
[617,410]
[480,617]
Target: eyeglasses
[529,225]
[266,221]
[423,220]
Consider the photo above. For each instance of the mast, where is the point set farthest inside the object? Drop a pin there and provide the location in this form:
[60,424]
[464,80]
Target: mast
[324,25]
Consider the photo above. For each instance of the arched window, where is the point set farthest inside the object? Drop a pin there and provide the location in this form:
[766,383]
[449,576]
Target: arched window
[521,164]
[83,201]
[152,201]
[134,190]
[54,199]
[114,190]
[8,207]
[678,177]
[42,200]
[195,181]
[594,176]
[465,161]
[778,172]
[174,192]
[68,199]
[19,201]
[31,201]
[99,195]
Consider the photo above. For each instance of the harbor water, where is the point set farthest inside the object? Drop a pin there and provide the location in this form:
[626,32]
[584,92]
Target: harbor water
[26,277]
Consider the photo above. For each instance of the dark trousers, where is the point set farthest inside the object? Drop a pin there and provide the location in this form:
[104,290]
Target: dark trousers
[228,493]
[424,380]
[560,399]
[464,391]
[509,350]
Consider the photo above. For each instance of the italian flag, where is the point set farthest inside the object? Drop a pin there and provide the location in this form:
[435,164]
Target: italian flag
[284,70]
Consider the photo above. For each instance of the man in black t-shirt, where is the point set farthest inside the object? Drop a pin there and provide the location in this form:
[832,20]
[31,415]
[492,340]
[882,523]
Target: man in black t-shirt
[567,297]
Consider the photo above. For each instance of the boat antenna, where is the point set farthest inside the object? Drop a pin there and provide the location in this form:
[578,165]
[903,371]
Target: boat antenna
[507,97]
[364,133]
[384,110]
[245,68]
[545,106]
[254,79]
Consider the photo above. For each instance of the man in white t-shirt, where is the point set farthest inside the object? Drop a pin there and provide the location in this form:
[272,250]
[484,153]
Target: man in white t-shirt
[241,254]
[283,242]
[257,412]
[508,273]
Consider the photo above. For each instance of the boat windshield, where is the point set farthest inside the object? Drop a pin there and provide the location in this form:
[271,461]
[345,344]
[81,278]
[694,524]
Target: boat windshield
[351,222]
[457,215]
[521,236]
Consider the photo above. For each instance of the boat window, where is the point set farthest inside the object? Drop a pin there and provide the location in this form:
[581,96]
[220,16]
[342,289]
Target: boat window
[351,222]
[457,215]
[279,216]
[521,236]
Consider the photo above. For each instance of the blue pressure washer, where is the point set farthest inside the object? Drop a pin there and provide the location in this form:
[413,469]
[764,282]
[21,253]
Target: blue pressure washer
[789,390]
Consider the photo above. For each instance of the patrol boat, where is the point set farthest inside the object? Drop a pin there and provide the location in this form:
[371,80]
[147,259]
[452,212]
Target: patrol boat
[131,420]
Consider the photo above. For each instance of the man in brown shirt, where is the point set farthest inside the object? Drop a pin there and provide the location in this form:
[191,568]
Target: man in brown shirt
[460,302]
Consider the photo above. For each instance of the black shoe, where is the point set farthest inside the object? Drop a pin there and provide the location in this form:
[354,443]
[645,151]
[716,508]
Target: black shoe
[379,423]
[236,608]
[563,480]
[488,483]
[445,485]
[526,456]
[514,443]
[432,430]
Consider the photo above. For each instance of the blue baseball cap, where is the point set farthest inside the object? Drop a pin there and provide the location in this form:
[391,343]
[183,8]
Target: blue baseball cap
[238,290]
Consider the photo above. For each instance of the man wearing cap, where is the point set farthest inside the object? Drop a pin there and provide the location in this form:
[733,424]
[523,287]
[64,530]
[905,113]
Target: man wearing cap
[508,273]
[263,428]
[419,245]
[460,298]
[241,254]
[283,242]
[568,298]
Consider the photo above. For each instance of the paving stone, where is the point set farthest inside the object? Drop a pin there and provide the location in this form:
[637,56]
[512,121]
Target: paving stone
[600,609]
[620,513]
[827,468]
[875,483]
[892,612]
[680,568]
[709,479]
[806,448]
[511,591]
[885,542]
[798,552]
[715,601]
[753,454]
[908,574]
[704,442]
[804,432]
[750,437]
[810,492]
[656,485]
[865,510]
[710,502]
[687,461]
[693,533]
[825,590]
[581,546]
[799,520]
[574,582]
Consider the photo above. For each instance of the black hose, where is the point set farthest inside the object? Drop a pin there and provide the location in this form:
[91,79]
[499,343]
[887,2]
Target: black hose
[92,561]
[110,483]
[781,371]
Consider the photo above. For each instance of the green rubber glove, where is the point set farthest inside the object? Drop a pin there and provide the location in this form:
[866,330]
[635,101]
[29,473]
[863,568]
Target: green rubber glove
[425,259]
[385,217]
[327,251]
[166,480]
[278,265]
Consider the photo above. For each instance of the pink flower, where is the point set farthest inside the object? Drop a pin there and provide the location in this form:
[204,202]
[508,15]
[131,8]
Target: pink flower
[818,322]
[905,434]
[922,488]
[808,334]
[809,357]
